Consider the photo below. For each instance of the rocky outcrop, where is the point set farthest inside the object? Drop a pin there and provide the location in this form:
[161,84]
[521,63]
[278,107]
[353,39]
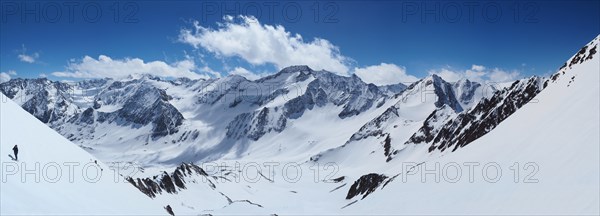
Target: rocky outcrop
[365,185]
[255,125]
[485,116]
[169,183]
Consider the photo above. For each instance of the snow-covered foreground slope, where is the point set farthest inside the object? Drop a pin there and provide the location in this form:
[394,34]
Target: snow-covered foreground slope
[56,177]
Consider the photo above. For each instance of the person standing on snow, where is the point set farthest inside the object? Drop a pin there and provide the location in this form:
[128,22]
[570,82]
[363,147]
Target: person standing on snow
[16,150]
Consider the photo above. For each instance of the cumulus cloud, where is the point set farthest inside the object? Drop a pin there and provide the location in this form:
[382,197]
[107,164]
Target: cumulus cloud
[6,76]
[105,66]
[384,74]
[245,37]
[477,73]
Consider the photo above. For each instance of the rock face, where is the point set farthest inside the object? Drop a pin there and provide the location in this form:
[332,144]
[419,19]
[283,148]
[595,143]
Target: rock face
[484,117]
[255,125]
[48,101]
[81,103]
[149,105]
[365,185]
[445,93]
[169,183]
[466,92]
[431,125]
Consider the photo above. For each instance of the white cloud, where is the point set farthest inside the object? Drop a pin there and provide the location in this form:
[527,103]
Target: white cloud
[6,76]
[43,75]
[447,74]
[245,73]
[477,67]
[105,66]
[498,75]
[477,73]
[384,74]
[29,58]
[260,44]
[210,71]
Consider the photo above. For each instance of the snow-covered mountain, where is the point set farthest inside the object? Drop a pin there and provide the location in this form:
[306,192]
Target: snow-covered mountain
[372,142]
[143,116]
[431,97]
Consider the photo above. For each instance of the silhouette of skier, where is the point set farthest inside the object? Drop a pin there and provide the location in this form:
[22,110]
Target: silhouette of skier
[16,150]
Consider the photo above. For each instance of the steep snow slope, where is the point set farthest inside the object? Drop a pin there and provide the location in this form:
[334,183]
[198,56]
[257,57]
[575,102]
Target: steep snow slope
[55,176]
[554,140]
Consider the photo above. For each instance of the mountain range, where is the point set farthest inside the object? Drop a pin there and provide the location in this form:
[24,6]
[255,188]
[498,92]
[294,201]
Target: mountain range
[368,134]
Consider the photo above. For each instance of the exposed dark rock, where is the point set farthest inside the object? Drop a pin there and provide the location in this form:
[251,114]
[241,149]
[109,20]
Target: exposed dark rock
[48,101]
[169,210]
[150,105]
[255,125]
[484,117]
[365,185]
[169,183]
[445,93]
[387,145]
[427,132]
[338,179]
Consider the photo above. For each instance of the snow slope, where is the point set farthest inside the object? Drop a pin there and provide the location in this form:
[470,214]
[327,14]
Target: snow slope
[41,182]
[554,140]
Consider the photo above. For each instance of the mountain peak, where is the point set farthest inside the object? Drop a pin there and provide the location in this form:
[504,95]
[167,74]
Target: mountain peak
[295,68]
[143,76]
[463,80]
[431,79]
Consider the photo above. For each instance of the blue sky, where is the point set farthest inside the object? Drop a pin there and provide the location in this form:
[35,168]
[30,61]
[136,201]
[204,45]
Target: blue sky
[381,42]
